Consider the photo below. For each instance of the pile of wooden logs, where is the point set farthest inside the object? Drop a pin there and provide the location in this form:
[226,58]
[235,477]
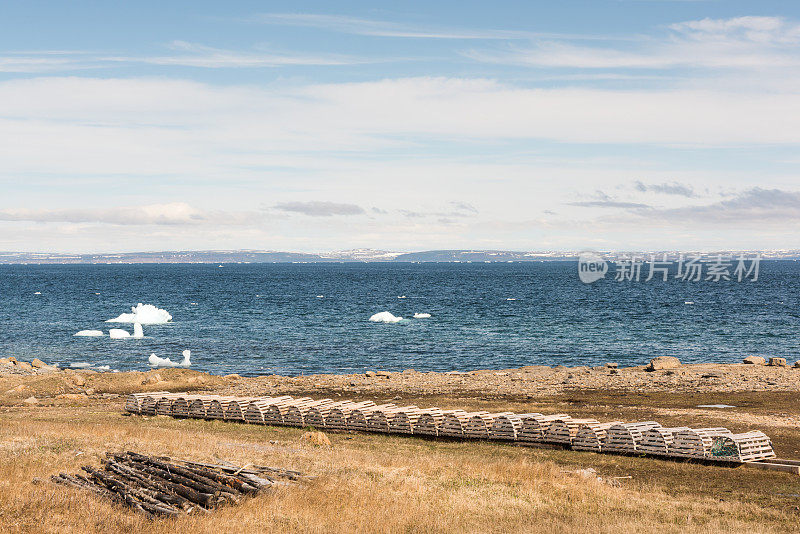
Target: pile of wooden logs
[643,437]
[160,486]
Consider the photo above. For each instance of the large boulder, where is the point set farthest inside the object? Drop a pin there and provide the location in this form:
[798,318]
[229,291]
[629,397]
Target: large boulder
[663,362]
[777,362]
[755,360]
[37,363]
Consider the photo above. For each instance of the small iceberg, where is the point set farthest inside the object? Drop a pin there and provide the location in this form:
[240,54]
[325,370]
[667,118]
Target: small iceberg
[88,333]
[118,333]
[155,361]
[385,317]
[422,315]
[688,302]
[144,314]
[402,297]
[511,299]
[38,293]
[320,296]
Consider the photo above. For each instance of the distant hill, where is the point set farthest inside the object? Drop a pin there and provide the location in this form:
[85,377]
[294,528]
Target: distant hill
[357,255]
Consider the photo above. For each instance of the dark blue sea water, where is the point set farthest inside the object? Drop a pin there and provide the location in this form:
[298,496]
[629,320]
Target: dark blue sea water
[267,318]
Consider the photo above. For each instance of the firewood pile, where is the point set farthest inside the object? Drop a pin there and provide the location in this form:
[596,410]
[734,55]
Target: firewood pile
[163,487]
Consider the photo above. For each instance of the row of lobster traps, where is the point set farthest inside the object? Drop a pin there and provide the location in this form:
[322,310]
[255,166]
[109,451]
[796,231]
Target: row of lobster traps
[647,437]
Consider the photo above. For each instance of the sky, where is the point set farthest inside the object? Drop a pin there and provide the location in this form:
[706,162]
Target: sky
[319,126]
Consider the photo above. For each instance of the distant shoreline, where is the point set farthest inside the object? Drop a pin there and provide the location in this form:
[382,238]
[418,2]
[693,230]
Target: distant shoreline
[359,256]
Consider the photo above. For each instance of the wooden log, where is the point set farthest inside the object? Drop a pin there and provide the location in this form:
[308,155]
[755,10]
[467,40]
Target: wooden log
[177,484]
[148,482]
[133,497]
[208,484]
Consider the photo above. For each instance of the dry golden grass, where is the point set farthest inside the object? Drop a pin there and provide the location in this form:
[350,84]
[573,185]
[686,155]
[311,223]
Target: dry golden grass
[375,483]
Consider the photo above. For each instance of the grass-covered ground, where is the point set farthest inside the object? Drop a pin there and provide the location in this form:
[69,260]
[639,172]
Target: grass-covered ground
[384,483]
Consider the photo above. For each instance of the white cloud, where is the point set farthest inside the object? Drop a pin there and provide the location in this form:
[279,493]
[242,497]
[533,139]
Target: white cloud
[742,42]
[320,208]
[378,28]
[175,213]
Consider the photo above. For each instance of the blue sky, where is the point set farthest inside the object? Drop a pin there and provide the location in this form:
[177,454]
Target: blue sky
[616,124]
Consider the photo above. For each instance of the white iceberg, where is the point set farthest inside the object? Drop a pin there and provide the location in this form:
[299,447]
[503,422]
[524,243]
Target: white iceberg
[155,361]
[144,314]
[385,317]
[119,333]
[89,333]
[421,315]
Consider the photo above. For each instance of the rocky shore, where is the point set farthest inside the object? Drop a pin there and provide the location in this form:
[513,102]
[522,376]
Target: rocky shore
[20,380]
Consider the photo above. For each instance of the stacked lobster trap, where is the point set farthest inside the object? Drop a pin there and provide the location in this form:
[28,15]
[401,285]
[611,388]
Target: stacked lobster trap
[642,438]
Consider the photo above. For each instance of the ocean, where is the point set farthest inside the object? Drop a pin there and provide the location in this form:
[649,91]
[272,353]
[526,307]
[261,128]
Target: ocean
[296,319]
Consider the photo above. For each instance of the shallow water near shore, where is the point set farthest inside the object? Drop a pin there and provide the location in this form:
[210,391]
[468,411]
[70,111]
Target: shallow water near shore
[314,318]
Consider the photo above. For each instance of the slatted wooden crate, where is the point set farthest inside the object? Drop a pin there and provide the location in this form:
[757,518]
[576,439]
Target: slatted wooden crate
[198,406]
[405,420]
[534,425]
[150,402]
[695,442]
[277,410]
[296,413]
[235,408]
[430,421]
[133,402]
[317,416]
[659,440]
[592,437]
[563,431]
[257,408]
[180,406]
[746,447]
[455,422]
[337,417]
[379,420]
[627,437]
[357,420]
[480,425]
[506,426]
[216,408]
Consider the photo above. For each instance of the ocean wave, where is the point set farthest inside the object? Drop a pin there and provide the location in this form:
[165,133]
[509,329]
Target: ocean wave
[144,314]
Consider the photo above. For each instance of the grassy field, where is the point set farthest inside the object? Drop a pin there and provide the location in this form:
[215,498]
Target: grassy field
[382,483]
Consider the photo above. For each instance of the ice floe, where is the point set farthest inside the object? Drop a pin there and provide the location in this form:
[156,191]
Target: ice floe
[155,361]
[385,317]
[144,314]
[119,333]
[89,333]
[421,315]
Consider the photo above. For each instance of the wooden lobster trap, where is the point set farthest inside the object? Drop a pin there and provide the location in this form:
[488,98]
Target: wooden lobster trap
[563,431]
[534,425]
[627,437]
[592,437]
[695,442]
